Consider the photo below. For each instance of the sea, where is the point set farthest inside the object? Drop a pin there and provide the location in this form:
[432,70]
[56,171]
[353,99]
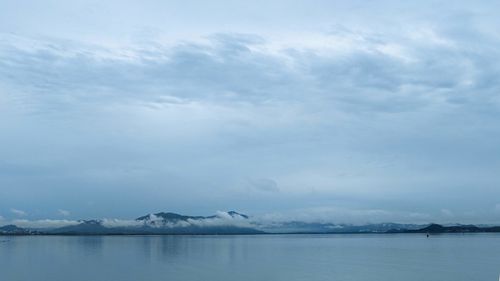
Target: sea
[341,257]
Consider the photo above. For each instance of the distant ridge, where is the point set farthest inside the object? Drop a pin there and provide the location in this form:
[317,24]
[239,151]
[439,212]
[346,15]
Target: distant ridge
[14,230]
[169,217]
[437,228]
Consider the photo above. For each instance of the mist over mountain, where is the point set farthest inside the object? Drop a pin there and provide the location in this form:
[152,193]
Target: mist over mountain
[231,222]
[159,223]
[311,227]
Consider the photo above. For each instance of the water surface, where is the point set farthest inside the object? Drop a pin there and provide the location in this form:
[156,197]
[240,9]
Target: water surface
[376,257]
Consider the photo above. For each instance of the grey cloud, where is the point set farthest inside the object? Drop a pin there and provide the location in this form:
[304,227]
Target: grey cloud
[66,75]
[263,184]
[228,69]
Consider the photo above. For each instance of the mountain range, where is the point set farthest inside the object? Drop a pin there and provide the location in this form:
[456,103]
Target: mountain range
[232,222]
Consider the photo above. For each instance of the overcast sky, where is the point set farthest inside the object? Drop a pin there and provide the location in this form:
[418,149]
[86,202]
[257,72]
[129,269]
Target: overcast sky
[343,111]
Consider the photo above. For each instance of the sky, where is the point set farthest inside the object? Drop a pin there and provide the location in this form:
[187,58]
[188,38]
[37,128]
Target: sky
[338,111]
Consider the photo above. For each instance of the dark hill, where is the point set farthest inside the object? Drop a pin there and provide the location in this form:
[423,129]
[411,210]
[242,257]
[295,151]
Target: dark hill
[437,228]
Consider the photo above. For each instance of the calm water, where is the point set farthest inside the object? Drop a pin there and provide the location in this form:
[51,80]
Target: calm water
[270,257]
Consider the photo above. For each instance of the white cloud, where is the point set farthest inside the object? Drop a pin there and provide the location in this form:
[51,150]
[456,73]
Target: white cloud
[17,212]
[121,223]
[222,219]
[41,224]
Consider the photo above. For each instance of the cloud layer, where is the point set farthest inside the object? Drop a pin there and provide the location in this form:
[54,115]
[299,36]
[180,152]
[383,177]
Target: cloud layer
[285,114]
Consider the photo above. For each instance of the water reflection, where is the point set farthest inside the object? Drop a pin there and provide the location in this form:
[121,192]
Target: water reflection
[290,258]
[87,245]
